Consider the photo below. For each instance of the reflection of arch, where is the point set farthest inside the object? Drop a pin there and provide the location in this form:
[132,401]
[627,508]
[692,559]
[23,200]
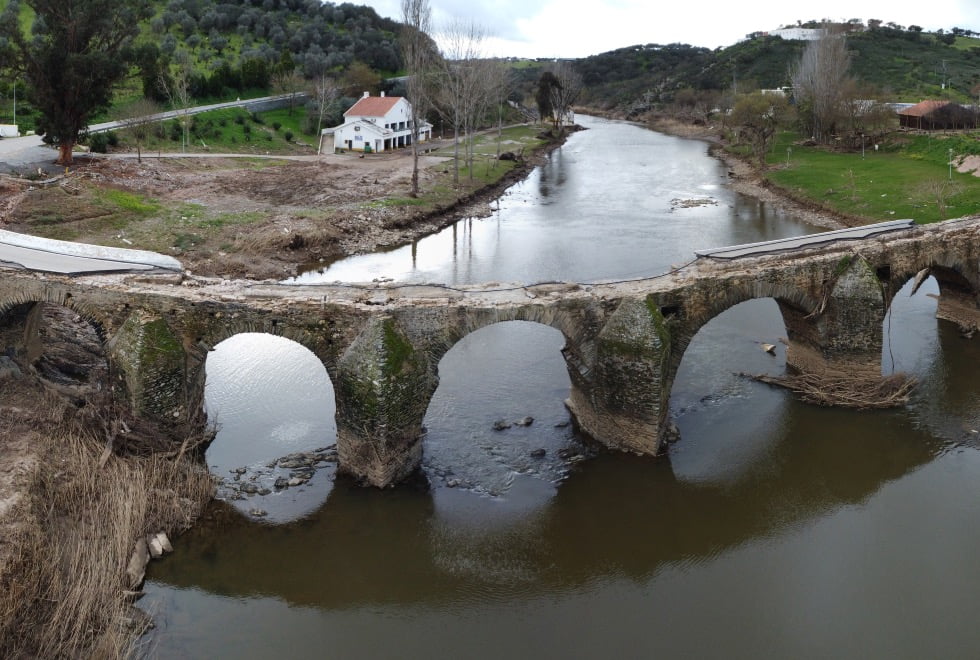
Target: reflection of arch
[265,384]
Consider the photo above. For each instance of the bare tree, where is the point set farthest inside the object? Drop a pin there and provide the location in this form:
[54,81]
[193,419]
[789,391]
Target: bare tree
[564,93]
[459,84]
[176,86]
[820,80]
[289,83]
[417,55]
[137,122]
[325,93]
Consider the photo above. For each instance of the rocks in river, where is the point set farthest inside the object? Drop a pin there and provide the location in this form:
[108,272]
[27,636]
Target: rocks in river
[503,424]
[258,513]
[539,453]
[281,482]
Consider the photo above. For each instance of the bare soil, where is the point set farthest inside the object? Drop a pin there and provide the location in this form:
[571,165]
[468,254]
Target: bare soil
[246,217]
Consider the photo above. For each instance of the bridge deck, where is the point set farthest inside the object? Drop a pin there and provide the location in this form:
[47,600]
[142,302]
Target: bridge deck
[800,242]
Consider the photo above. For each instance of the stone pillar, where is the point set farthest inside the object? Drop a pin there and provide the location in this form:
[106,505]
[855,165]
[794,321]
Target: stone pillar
[846,332]
[622,399]
[383,388]
[149,361]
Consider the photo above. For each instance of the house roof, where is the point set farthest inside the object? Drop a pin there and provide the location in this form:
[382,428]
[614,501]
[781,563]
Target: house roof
[373,106]
[922,108]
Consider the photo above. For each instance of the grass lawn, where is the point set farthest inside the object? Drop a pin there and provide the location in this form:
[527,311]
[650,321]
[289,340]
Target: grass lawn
[230,130]
[909,177]
[486,168]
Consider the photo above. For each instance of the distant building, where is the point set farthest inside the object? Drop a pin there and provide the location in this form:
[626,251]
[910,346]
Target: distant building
[936,115]
[792,34]
[376,124]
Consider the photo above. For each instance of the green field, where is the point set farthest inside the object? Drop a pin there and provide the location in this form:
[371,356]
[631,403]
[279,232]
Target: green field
[907,177]
[231,130]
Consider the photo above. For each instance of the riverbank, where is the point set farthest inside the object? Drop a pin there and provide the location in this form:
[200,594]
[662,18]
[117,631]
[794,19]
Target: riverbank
[72,518]
[266,217]
[745,177]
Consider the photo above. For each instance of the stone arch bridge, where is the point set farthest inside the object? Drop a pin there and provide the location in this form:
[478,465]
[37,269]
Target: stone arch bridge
[381,344]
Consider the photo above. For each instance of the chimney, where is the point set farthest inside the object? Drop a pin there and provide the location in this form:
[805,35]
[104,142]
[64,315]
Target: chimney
[366,94]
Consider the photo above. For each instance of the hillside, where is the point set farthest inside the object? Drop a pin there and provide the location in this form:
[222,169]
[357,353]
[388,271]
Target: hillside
[902,64]
[233,47]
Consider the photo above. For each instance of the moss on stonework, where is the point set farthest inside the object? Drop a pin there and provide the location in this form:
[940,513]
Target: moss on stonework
[842,265]
[631,332]
[398,351]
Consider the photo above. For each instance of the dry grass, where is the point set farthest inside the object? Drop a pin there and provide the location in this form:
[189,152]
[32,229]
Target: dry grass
[62,594]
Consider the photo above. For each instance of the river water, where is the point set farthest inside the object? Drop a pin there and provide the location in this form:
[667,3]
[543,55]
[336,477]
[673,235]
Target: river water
[771,529]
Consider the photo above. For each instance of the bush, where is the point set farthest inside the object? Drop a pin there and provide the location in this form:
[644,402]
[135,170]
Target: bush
[98,143]
[276,126]
[240,119]
[112,138]
[288,135]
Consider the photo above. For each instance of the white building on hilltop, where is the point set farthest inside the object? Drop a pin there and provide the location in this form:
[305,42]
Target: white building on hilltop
[376,124]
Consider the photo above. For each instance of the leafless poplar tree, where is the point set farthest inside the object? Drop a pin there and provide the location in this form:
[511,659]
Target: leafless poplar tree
[820,81]
[325,92]
[138,122]
[459,84]
[417,55]
[564,93]
[176,86]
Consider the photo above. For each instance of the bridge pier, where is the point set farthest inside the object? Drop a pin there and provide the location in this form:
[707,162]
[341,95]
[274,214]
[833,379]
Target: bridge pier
[622,399]
[383,387]
[845,332]
[150,364]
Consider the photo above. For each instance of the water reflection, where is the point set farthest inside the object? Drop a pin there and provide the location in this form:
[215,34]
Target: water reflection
[269,397]
[546,227]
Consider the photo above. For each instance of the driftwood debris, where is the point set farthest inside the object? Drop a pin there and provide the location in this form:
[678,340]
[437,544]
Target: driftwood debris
[845,390]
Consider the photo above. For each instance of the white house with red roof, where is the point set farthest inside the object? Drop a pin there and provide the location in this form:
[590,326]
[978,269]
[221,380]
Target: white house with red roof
[376,124]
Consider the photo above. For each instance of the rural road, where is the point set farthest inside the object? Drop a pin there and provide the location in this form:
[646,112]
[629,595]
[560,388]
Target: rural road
[29,151]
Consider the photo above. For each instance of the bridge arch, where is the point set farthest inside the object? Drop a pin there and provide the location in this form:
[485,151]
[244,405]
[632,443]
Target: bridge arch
[499,409]
[268,398]
[57,346]
[795,305]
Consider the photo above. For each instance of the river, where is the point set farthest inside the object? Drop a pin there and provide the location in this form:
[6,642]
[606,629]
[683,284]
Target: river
[772,528]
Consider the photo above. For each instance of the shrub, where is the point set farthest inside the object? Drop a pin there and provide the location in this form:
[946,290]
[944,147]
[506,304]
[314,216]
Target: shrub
[288,135]
[98,143]
[276,126]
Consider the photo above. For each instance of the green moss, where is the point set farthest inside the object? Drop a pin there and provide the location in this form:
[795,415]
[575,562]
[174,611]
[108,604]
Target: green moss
[398,352]
[842,265]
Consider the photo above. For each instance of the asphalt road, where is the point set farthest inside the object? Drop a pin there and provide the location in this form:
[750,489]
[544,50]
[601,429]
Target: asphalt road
[19,251]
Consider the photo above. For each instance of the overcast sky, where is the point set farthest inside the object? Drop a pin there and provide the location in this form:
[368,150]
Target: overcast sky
[572,28]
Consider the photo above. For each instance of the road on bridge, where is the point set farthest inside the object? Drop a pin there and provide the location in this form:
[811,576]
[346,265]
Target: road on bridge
[43,254]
